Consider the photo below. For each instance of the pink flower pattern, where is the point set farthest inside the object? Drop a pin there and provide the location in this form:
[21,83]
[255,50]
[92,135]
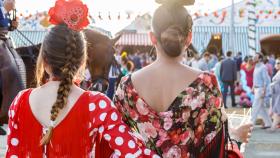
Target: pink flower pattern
[193,118]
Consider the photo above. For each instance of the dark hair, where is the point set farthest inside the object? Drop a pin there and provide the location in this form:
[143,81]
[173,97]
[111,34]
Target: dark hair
[265,60]
[64,50]
[246,58]
[206,54]
[239,53]
[260,56]
[171,25]
[229,53]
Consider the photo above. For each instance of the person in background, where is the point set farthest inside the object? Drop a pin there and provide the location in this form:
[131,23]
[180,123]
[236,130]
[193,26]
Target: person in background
[238,60]
[10,61]
[269,66]
[244,63]
[275,90]
[271,60]
[217,70]
[127,65]
[249,71]
[113,76]
[137,60]
[261,81]
[195,61]
[213,60]
[203,63]
[228,74]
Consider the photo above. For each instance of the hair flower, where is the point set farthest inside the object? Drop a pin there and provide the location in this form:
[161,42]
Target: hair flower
[73,13]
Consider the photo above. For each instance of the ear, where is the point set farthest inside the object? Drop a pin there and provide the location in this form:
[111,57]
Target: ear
[189,39]
[116,39]
[153,38]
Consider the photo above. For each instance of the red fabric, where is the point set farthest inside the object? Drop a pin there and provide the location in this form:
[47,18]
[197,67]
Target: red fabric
[73,13]
[93,114]
[249,76]
[102,149]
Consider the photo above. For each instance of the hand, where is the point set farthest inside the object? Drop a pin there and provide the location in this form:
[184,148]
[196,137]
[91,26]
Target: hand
[15,24]
[242,133]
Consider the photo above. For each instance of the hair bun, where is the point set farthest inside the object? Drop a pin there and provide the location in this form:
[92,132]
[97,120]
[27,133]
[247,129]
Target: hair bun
[177,2]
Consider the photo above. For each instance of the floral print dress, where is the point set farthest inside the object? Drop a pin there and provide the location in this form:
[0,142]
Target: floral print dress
[191,122]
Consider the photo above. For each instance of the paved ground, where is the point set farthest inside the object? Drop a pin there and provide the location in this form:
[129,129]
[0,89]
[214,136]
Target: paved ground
[262,144]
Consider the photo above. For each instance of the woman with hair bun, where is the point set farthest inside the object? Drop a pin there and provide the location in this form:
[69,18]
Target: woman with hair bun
[58,119]
[177,110]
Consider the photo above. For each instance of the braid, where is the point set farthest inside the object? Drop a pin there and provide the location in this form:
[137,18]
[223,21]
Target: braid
[68,72]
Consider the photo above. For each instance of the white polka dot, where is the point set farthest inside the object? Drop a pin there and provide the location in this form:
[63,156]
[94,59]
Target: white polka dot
[111,126]
[102,116]
[107,137]
[91,133]
[147,151]
[122,128]
[14,141]
[156,156]
[114,116]
[89,125]
[14,156]
[119,141]
[131,144]
[101,129]
[118,153]
[113,105]
[102,104]
[129,155]
[12,113]
[92,107]
[15,126]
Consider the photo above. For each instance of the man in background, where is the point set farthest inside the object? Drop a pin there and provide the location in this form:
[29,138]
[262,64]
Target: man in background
[228,73]
[261,82]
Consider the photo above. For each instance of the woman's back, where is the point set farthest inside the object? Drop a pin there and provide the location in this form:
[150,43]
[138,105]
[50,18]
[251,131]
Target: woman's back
[191,124]
[42,98]
[159,83]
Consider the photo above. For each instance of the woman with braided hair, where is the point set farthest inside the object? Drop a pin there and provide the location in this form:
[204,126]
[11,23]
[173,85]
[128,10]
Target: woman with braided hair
[59,119]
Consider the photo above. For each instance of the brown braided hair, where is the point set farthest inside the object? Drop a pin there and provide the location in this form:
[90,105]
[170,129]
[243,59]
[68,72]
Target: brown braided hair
[64,50]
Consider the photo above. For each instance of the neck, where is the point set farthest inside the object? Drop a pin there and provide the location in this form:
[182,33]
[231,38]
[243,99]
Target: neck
[164,58]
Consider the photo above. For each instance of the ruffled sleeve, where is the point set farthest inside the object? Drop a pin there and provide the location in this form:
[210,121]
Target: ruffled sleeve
[13,140]
[108,122]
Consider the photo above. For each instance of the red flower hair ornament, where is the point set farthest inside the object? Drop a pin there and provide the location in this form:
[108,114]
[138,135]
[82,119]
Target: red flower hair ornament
[73,13]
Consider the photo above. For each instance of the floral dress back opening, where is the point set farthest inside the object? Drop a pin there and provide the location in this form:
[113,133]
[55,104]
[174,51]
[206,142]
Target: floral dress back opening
[191,127]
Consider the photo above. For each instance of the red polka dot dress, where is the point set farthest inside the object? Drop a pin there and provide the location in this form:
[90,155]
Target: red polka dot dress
[75,136]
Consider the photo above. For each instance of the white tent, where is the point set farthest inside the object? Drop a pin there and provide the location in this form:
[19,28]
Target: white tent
[268,23]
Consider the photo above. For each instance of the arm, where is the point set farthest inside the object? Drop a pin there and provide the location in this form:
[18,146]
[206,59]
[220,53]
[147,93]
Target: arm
[266,79]
[108,122]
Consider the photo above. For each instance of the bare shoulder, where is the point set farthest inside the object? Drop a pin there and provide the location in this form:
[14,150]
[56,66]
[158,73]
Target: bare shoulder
[190,71]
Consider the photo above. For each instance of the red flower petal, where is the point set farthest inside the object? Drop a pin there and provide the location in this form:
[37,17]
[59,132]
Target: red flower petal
[73,13]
